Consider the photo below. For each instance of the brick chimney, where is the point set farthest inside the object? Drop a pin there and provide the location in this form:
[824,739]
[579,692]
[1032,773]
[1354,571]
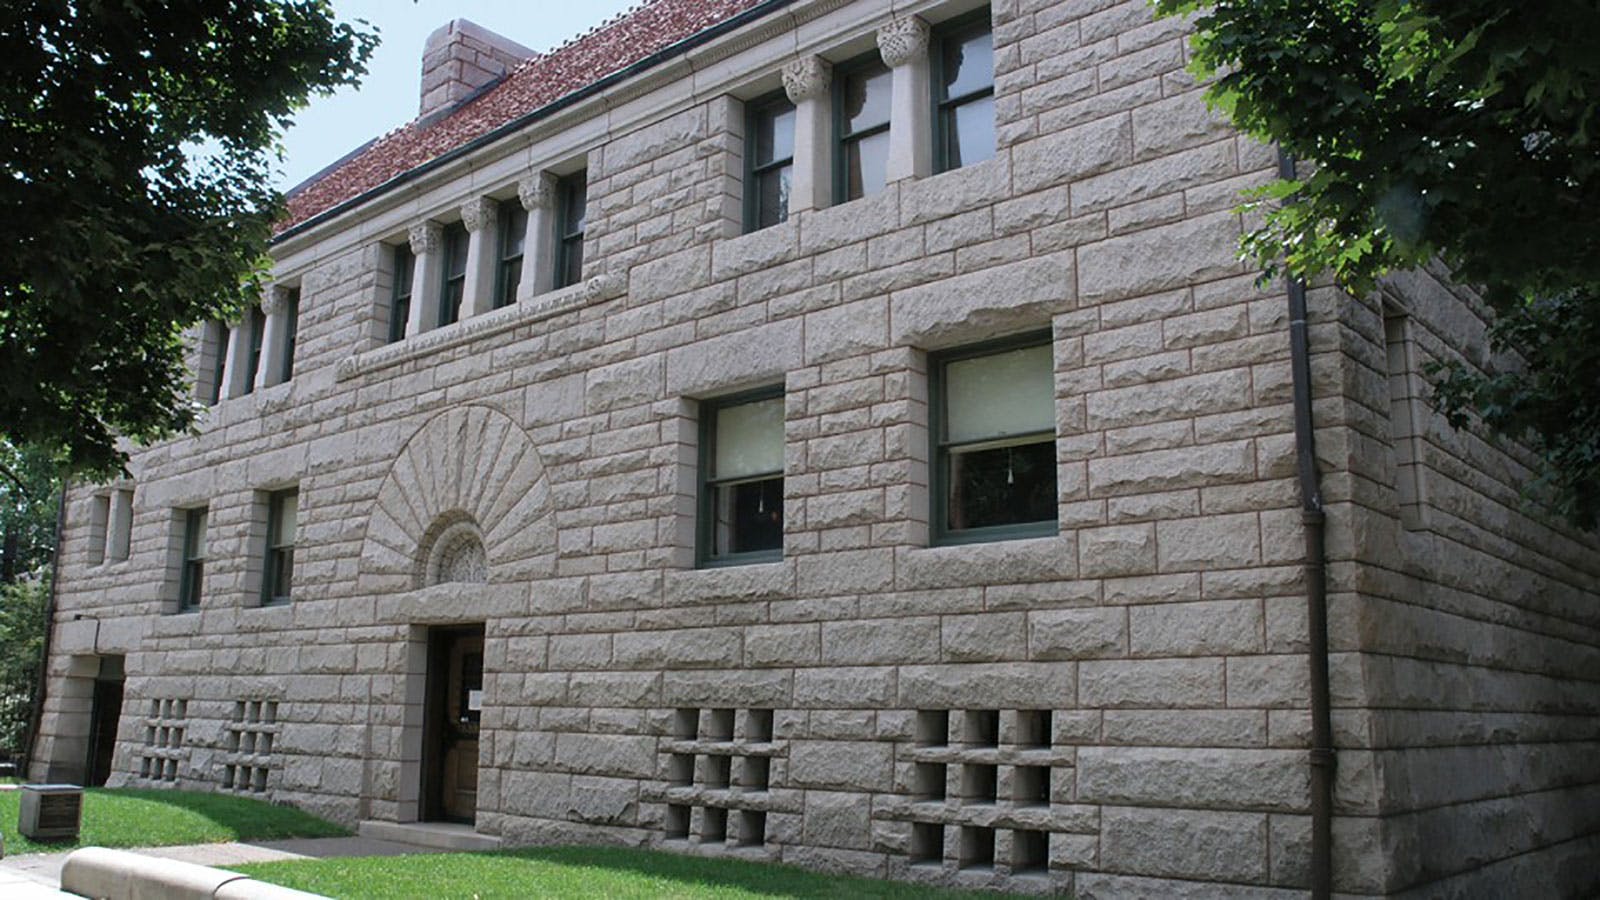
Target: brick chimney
[459,59]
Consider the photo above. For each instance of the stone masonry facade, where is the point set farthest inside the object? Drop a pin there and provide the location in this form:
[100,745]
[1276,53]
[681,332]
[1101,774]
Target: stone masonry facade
[1117,707]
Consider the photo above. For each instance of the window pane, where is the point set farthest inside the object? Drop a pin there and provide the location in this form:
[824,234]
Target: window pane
[450,303]
[455,251]
[772,196]
[513,229]
[1002,486]
[970,131]
[749,439]
[968,63]
[866,165]
[571,261]
[866,98]
[1001,394]
[287,515]
[196,537]
[510,280]
[282,573]
[404,268]
[749,517]
[774,135]
[577,205]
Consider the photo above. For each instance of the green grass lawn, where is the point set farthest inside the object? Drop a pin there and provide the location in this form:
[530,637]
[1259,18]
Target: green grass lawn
[608,872]
[144,818]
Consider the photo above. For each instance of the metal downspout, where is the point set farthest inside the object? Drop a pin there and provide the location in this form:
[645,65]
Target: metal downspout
[1321,757]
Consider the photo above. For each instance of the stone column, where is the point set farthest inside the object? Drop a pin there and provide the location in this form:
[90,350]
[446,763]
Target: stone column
[807,82]
[270,371]
[480,215]
[237,364]
[427,242]
[903,44]
[538,196]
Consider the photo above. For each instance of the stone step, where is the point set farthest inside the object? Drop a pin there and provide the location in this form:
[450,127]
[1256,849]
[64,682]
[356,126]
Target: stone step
[436,835]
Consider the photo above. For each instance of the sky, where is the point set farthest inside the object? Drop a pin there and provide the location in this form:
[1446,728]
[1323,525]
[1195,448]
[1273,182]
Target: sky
[332,126]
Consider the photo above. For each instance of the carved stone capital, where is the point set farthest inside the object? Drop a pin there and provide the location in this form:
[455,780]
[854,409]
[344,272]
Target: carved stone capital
[537,191]
[273,299]
[479,213]
[902,41]
[426,237]
[807,78]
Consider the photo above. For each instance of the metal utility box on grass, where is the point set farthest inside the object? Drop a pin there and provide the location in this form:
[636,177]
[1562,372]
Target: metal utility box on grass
[50,812]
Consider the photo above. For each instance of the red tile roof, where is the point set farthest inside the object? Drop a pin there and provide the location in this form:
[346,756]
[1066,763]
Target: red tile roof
[648,28]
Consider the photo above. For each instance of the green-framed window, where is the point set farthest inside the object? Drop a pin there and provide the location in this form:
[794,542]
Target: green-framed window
[291,328]
[219,361]
[963,91]
[400,300]
[741,478]
[769,160]
[277,577]
[191,579]
[453,285]
[513,221]
[861,102]
[257,322]
[993,429]
[571,215]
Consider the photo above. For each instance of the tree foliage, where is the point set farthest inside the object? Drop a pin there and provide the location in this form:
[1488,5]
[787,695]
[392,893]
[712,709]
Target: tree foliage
[1463,130]
[29,490]
[22,626]
[137,139]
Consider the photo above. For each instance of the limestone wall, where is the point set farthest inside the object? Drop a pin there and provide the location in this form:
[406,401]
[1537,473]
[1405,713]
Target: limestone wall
[1119,708]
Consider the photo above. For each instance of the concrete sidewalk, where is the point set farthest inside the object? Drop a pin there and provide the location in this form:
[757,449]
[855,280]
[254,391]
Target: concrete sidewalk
[37,876]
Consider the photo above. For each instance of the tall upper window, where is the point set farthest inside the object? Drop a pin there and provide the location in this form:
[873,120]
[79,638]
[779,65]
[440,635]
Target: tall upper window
[861,128]
[508,269]
[278,576]
[963,92]
[258,331]
[400,301]
[454,285]
[769,150]
[218,335]
[291,329]
[994,448]
[741,496]
[194,559]
[572,214]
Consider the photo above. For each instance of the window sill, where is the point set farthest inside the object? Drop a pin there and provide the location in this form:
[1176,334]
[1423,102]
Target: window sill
[994,533]
[742,559]
[533,309]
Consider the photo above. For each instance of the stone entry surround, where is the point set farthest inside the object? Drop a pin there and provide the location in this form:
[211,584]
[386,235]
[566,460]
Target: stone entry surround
[1118,709]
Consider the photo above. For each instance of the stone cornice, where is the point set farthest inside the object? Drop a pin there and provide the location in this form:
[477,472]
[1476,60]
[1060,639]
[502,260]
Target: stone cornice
[542,306]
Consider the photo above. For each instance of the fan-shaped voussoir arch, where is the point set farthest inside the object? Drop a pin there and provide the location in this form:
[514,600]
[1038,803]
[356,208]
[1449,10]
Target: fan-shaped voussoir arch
[472,460]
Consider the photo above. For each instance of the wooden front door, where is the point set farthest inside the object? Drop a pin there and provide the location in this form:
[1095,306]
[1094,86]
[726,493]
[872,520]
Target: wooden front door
[452,711]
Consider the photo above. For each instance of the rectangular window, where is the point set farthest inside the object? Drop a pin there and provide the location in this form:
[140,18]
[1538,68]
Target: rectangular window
[454,285]
[291,327]
[508,272]
[217,337]
[1405,398]
[963,92]
[861,91]
[277,577]
[194,559]
[769,155]
[400,302]
[258,331]
[99,518]
[994,449]
[573,214]
[741,465]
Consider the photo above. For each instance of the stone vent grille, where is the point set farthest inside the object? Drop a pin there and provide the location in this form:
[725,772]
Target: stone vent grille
[246,756]
[166,721]
[719,766]
[983,791]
